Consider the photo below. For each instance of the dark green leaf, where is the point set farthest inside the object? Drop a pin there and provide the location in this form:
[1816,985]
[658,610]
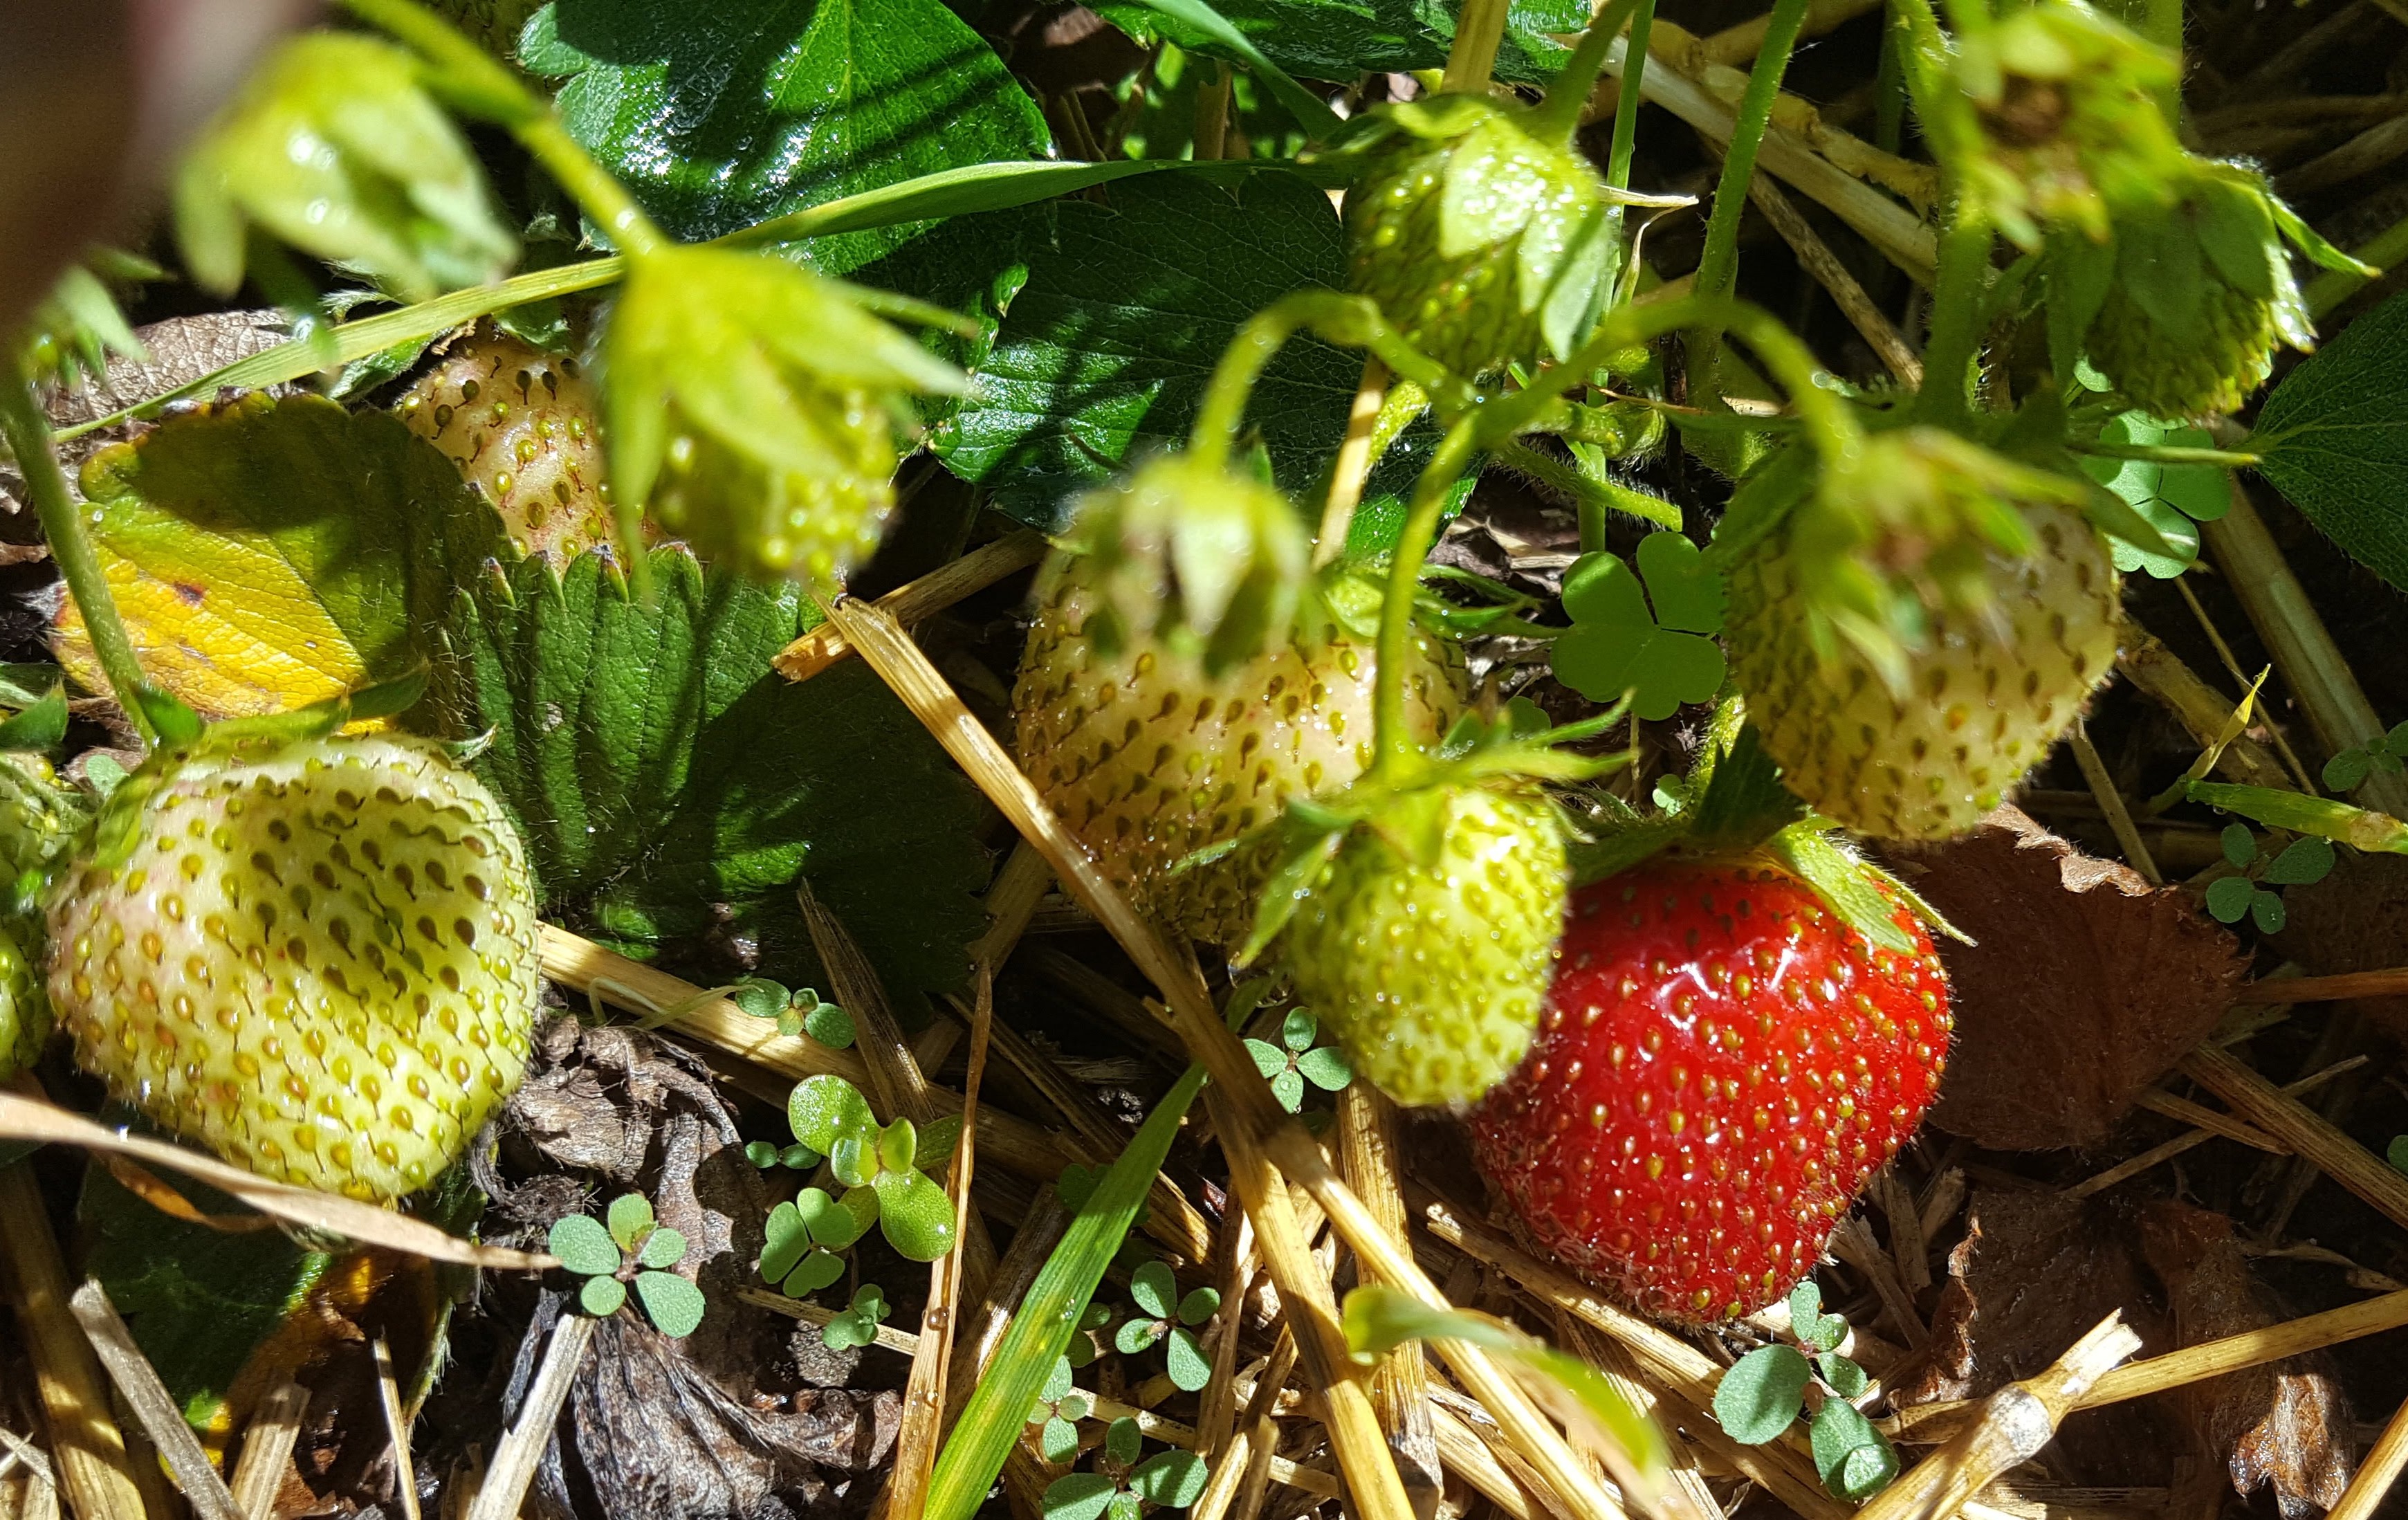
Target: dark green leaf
[1762,1396]
[2228,897]
[1105,353]
[2302,863]
[1123,1440]
[2240,845]
[602,1297]
[819,1270]
[1200,1305]
[656,766]
[38,727]
[728,115]
[1185,1359]
[2397,1153]
[583,1245]
[1173,1480]
[2346,770]
[1340,39]
[1853,1459]
[1155,1289]
[673,1304]
[2333,437]
[2267,911]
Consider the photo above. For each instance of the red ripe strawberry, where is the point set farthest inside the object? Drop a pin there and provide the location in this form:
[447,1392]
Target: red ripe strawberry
[1723,1066]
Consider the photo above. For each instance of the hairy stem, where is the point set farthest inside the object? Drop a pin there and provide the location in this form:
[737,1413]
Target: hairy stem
[28,435]
[1478,29]
[1718,266]
[2162,453]
[1959,309]
[1349,320]
[474,81]
[1558,116]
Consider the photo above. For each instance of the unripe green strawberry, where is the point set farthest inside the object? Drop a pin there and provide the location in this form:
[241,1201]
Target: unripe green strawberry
[520,425]
[1915,727]
[2205,368]
[1481,242]
[812,525]
[1428,940]
[318,959]
[24,1014]
[1148,759]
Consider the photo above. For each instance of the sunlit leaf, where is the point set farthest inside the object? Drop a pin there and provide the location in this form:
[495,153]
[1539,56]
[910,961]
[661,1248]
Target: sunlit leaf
[583,1245]
[915,1215]
[674,1305]
[1762,1394]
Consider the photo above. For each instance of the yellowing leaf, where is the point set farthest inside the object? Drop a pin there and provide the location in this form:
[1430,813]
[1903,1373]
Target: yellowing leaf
[266,554]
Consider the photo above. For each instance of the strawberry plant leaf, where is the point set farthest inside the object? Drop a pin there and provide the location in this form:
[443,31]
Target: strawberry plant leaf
[674,1305]
[2333,438]
[730,115]
[602,1297]
[266,554]
[1105,353]
[1340,39]
[1855,1460]
[1762,1396]
[656,766]
[1079,1496]
[915,1215]
[583,1245]
[1173,1479]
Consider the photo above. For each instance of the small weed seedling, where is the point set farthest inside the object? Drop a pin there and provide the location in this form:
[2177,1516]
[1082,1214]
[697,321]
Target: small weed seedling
[878,1166]
[1665,656]
[1122,1484]
[798,1013]
[2304,862]
[1170,1321]
[1765,1394]
[2348,771]
[632,1249]
[1058,1409]
[858,1325]
[1295,1060]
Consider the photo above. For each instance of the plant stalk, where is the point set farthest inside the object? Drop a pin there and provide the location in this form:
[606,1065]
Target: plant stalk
[1625,108]
[1718,266]
[1470,63]
[474,81]
[1353,321]
[1960,307]
[1558,116]
[28,435]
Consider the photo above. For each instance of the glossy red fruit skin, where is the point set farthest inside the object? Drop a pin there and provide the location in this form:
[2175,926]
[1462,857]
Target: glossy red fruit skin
[1722,1067]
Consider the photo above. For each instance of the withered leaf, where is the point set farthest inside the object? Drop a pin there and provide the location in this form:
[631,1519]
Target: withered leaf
[2086,985]
[2286,1425]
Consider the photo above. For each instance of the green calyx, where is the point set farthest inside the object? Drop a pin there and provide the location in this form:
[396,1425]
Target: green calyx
[1485,243]
[1193,553]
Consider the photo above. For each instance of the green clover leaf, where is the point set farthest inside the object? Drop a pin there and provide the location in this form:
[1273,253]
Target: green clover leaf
[2240,845]
[2304,862]
[1155,1289]
[1123,1441]
[820,1269]
[2173,498]
[1185,1359]
[1665,658]
[1172,1479]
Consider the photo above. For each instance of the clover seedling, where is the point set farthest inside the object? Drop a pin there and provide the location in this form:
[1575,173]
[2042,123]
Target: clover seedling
[1764,1394]
[1663,657]
[2302,863]
[858,1325]
[878,1166]
[1172,1480]
[1294,1061]
[801,1238]
[1058,1409]
[2173,498]
[798,1013]
[2348,771]
[632,1248]
[1167,1319]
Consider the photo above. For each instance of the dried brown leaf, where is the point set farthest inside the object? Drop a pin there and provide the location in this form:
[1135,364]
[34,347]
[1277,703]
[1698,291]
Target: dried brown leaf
[2283,1426]
[2085,987]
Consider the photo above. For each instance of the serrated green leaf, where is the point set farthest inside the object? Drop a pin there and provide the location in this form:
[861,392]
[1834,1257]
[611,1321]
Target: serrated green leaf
[827,1110]
[2333,438]
[656,766]
[1154,1290]
[1185,1359]
[1326,1069]
[1855,1460]
[2240,845]
[664,1247]
[602,1297]
[267,554]
[583,1245]
[2228,899]
[1340,39]
[1059,1440]
[630,1216]
[915,1215]
[1079,1496]
[1104,354]
[1762,1394]
[2302,863]
[723,117]
[674,1305]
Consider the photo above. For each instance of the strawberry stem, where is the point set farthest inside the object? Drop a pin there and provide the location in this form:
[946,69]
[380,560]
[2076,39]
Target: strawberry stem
[473,81]
[1351,321]
[1959,310]
[1718,264]
[1625,111]
[28,435]
[1478,29]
